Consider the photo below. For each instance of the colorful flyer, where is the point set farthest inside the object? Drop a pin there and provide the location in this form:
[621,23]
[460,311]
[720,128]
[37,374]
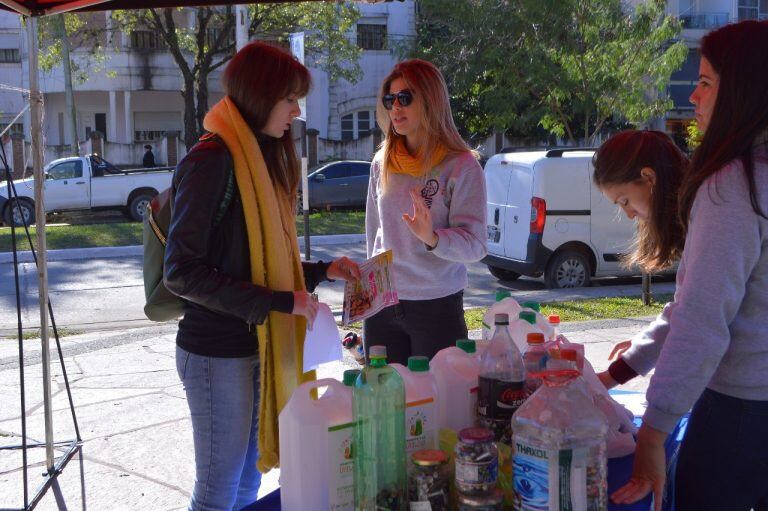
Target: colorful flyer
[373,292]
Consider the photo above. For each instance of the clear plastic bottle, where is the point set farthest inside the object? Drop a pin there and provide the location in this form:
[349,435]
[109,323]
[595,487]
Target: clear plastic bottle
[534,359]
[554,322]
[559,446]
[501,382]
[379,414]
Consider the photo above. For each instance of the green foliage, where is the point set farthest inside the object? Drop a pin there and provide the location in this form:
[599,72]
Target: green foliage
[568,66]
[693,135]
[82,33]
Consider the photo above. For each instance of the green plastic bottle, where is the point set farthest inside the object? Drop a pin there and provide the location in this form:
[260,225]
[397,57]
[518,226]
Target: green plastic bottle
[378,403]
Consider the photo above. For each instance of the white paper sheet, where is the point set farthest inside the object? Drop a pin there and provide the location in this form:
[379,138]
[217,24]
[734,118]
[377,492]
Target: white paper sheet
[322,344]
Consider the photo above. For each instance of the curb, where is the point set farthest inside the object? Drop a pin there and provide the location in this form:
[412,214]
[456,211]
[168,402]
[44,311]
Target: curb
[66,254]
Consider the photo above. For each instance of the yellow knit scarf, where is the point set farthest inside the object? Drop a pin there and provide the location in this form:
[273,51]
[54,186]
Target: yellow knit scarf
[275,263]
[402,162]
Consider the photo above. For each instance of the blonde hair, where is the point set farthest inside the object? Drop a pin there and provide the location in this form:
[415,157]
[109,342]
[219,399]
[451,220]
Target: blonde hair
[428,86]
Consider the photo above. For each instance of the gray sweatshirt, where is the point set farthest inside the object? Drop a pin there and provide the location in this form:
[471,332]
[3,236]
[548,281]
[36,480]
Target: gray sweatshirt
[714,334]
[455,193]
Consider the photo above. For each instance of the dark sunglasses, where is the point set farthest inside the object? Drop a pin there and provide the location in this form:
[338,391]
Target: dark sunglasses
[404,97]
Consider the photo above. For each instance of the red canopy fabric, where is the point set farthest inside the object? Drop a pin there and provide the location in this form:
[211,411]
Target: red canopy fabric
[45,7]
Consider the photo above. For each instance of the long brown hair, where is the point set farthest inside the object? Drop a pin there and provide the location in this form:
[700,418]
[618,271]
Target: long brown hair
[739,55]
[428,86]
[256,78]
[659,241]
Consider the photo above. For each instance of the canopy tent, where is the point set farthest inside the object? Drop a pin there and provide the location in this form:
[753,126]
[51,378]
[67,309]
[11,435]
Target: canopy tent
[46,7]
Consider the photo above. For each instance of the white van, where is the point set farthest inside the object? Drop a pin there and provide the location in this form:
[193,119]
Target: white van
[546,217]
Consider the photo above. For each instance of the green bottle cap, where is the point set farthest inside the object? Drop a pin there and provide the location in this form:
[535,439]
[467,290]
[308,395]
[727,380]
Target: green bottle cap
[528,316]
[467,345]
[501,294]
[350,375]
[532,305]
[418,364]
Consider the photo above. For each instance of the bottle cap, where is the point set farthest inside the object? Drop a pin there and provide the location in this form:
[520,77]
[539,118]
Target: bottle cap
[475,435]
[501,319]
[418,364]
[569,354]
[528,316]
[554,319]
[501,294]
[378,352]
[429,457]
[531,305]
[350,376]
[535,338]
[467,345]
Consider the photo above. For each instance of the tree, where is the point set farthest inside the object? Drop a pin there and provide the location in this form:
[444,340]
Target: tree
[200,50]
[569,66]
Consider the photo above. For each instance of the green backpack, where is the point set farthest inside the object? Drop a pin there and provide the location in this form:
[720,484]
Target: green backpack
[161,304]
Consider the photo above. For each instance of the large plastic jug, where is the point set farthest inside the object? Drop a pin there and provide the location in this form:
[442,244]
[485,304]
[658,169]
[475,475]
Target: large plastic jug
[504,304]
[317,433]
[559,445]
[456,373]
[421,430]
[378,403]
[542,321]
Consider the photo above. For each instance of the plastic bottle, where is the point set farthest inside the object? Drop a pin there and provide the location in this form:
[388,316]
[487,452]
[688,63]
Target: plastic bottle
[317,433]
[504,304]
[554,322]
[378,402]
[455,372]
[501,382]
[542,321]
[421,409]
[559,448]
[534,358]
[524,324]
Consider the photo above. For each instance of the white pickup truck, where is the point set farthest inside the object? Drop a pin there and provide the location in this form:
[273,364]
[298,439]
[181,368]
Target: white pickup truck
[87,182]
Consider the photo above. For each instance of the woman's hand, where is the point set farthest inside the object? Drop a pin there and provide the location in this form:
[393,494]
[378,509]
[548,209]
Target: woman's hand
[420,223]
[305,305]
[649,471]
[619,349]
[343,268]
[607,380]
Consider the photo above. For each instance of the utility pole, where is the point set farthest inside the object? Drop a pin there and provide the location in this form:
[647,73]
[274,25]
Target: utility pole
[70,119]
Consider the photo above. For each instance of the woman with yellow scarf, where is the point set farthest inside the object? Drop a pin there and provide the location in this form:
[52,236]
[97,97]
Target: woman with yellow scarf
[426,203]
[232,254]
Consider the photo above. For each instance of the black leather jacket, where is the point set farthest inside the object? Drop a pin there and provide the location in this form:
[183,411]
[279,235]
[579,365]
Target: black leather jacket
[209,266]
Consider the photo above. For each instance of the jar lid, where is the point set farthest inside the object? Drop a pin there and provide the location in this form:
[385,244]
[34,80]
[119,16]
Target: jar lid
[475,435]
[467,345]
[350,376]
[429,457]
[418,364]
[490,499]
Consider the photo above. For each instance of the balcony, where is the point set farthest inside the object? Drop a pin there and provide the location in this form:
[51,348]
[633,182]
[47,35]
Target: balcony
[704,20]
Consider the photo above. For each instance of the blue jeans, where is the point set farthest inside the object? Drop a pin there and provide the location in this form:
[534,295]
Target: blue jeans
[223,398]
[723,461]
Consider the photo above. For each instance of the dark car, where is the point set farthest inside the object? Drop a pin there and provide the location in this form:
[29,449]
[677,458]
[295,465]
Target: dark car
[339,184]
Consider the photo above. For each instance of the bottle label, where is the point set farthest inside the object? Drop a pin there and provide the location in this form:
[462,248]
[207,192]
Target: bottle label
[420,424]
[550,480]
[499,399]
[341,455]
[473,472]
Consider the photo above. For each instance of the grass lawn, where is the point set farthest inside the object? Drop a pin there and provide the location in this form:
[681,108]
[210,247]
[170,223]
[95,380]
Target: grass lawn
[129,233]
[586,310]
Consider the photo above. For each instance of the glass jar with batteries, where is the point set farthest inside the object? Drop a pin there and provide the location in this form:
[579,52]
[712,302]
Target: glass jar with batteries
[477,462]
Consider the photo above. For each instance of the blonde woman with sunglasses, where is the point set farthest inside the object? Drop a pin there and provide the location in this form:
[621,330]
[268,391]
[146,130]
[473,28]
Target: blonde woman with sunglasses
[426,203]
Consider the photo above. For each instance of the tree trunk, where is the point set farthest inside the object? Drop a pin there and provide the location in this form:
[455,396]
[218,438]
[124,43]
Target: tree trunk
[191,133]
[202,98]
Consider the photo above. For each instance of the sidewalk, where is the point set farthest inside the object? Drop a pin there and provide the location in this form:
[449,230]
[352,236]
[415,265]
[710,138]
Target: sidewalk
[134,420]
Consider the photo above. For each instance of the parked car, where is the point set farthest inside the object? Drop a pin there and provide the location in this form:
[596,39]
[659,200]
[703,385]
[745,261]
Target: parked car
[339,184]
[90,183]
[546,217]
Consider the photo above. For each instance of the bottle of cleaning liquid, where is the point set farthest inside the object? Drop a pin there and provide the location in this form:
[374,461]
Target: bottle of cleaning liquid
[542,321]
[317,433]
[501,381]
[456,370]
[378,402]
[524,324]
[420,405]
[504,304]
[559,448]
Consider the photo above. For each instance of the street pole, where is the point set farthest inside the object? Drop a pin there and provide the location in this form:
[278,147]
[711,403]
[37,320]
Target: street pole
[68,92]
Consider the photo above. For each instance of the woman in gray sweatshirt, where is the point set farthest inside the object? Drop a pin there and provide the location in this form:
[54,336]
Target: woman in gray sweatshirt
[709,346]
[426,203]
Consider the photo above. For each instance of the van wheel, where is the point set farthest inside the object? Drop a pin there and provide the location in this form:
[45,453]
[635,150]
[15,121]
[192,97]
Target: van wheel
[137,209]
[20,212]
[567,269]
[502,274]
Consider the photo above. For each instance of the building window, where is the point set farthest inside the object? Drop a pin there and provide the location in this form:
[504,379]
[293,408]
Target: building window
[16,127]
[753,9]
[146,40]
[148,135]
[371,37]
[357,124]
[9,55]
